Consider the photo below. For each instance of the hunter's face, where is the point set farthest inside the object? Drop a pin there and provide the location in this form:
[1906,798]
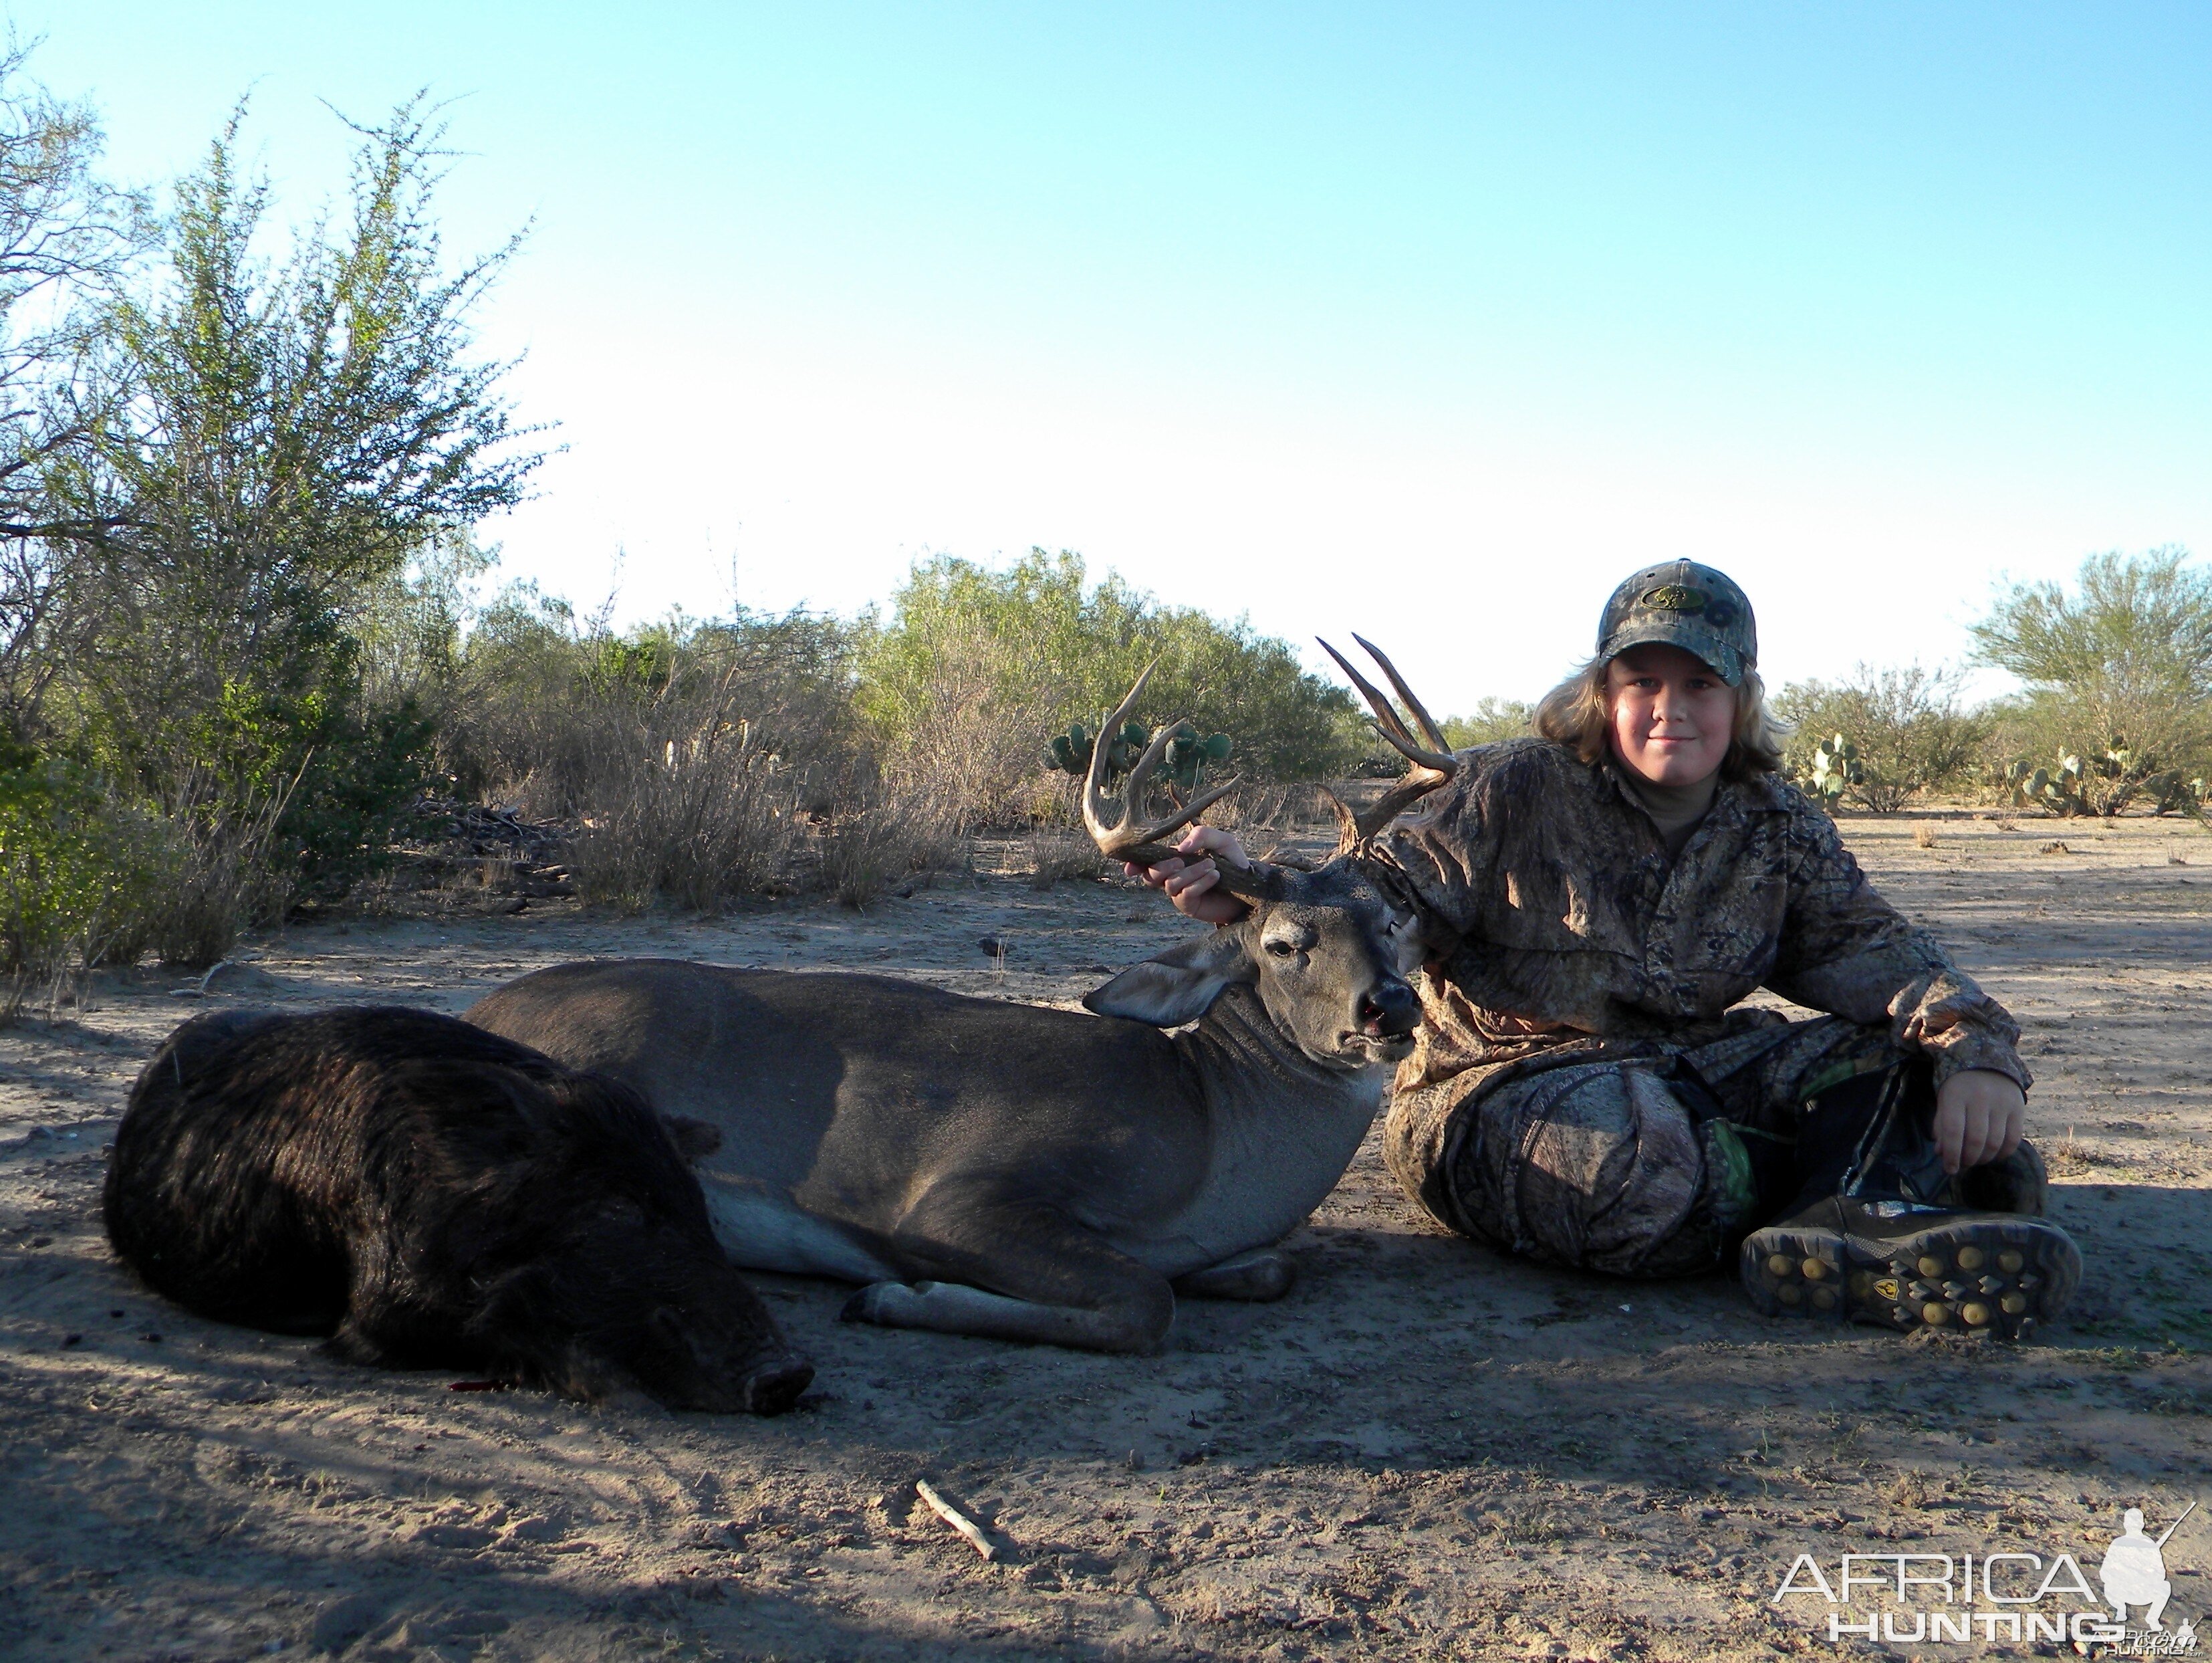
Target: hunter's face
[1673,716]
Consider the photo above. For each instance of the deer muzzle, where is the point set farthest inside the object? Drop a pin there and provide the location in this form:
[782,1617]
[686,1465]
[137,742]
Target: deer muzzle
[1389,1010]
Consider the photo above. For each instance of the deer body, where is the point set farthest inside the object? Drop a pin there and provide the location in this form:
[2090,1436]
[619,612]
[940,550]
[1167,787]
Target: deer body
[929,1138]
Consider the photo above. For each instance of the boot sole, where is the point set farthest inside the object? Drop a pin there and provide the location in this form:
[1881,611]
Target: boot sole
[1992,1276]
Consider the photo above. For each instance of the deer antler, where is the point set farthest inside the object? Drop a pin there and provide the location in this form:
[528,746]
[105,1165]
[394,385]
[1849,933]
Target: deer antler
[1433,762]
[1127,835]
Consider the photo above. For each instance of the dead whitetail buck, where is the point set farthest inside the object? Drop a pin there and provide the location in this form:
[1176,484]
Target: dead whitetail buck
[1022,1173]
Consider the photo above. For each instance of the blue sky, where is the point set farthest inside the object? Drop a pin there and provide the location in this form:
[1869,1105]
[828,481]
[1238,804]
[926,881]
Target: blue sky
[1430,322]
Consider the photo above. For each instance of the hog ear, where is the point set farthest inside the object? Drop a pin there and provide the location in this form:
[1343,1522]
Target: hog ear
[694,1139]
[1177,986]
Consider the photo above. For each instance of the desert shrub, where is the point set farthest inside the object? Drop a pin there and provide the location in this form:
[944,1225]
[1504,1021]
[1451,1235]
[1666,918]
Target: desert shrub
[685,751]
[1493,719]
[536,689]
[1908,733]
[78,875]
[974,668]
[866,850]
[67,239]
[217,875]
[2118,674]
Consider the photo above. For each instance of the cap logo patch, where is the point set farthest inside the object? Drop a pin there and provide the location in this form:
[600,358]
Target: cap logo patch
[1675,598]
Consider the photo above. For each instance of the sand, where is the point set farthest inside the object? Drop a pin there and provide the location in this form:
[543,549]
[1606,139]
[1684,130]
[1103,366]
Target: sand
[1425,1451]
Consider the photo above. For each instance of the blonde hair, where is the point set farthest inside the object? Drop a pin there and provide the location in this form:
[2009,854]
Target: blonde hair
[1579,714]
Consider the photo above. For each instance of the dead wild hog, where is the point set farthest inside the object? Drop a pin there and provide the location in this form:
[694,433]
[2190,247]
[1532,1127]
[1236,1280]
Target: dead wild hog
[431,1194]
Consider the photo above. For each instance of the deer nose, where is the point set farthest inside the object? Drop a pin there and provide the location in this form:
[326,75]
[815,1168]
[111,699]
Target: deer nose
[1391,1010]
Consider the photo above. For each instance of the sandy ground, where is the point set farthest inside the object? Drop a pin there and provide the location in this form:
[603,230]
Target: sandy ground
[1425,1451]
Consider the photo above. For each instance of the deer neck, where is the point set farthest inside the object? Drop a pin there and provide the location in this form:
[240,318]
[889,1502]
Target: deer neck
[1281,1129]
[1254,1076]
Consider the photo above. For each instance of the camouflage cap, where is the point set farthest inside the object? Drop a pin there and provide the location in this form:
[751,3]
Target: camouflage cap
[1683,604]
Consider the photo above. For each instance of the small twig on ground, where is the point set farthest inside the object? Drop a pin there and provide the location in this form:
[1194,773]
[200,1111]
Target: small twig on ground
[959,1520]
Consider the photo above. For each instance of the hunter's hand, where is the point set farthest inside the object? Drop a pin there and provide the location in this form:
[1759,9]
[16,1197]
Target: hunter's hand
[1979,1116]
[1189,881]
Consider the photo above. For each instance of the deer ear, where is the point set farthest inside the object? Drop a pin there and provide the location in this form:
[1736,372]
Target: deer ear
[1177,986]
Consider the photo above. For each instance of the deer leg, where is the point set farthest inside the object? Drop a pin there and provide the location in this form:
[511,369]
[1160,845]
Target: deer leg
[1263,1274]
[1016,1270]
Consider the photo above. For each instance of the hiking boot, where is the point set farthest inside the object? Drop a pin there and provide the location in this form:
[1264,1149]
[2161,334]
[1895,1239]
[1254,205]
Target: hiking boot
[1879,1232]
[1908,1265]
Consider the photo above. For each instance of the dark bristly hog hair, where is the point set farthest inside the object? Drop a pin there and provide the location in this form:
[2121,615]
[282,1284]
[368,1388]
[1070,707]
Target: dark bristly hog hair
[431,1194]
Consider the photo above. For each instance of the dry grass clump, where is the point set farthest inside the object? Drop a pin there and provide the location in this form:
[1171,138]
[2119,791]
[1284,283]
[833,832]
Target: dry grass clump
[1261,813]
[2067,1157]
[867,851]
[1923,835]
[1056,854]
[967,745]
[708,818]
[733,762]
[216,880]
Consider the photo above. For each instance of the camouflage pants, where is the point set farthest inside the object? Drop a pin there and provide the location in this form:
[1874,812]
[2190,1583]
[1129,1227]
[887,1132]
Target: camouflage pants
[1627,1163]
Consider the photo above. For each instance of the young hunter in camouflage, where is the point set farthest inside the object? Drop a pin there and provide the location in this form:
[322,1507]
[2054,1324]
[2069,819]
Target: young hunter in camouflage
[1586,1089]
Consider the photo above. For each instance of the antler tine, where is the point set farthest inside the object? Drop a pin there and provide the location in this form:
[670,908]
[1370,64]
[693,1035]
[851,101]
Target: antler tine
[1394,802]
[1382,707]
[1388,723]
[1148,848]
[1096,802]
[1431,768]
[1430,731]
[1140,777]
[1125,838]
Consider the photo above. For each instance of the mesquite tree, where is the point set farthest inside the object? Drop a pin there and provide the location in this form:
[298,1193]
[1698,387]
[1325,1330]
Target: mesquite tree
[65,238]
[2118,672]
[287,434]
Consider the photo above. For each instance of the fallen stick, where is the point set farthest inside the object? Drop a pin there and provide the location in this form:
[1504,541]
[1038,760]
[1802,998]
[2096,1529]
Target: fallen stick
[959,1520]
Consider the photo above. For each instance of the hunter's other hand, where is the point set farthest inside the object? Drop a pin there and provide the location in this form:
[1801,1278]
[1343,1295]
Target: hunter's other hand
[1979,1116]
[1190,880]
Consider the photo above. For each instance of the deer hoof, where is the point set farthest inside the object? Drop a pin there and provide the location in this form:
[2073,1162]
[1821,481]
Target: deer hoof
[1262,1275]
[874,1303]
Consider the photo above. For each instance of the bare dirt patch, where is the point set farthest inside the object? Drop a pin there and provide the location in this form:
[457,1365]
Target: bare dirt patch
[1425,1451]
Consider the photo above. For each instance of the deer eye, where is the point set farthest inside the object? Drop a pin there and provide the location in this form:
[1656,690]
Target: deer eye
[1281,949]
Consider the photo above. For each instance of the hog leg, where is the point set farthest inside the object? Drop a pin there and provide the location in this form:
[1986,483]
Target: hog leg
[1263,1274]
[372,1334]
[1014,1268]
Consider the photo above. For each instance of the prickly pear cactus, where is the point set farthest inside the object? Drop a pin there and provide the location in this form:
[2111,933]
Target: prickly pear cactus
[2060,790]
[2171,792]
[2055,791]
[2105,785]
[1836,768]
[1188,752]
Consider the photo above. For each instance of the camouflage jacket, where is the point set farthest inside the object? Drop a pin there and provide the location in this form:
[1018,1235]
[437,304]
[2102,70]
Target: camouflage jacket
[1554,917]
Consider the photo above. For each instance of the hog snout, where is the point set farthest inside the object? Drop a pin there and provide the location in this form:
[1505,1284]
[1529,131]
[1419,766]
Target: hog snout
[776,1385]
[1390,1010]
